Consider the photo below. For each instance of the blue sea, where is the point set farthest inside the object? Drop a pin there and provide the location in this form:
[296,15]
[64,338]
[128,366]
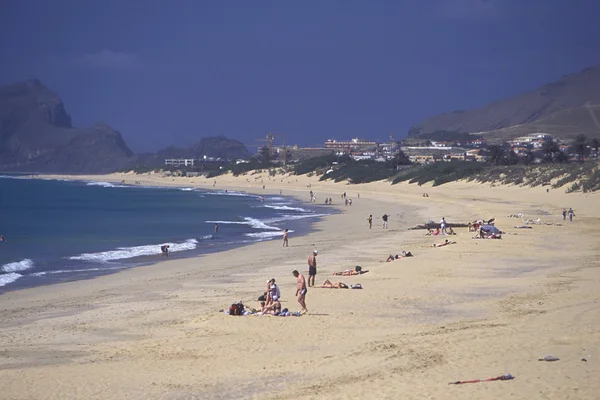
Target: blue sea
[58,231]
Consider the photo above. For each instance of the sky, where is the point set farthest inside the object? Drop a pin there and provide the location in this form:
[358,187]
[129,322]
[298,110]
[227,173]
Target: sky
[171,72]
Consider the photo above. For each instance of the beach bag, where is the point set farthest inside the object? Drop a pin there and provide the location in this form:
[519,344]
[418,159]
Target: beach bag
[236,309]
[263,297]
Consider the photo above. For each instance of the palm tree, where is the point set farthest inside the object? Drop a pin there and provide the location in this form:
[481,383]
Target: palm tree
[496,154]
[595,143]
[550,148]
[580,147]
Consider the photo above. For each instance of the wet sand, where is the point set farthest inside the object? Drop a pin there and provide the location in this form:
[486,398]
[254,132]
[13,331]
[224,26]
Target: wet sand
[472,310]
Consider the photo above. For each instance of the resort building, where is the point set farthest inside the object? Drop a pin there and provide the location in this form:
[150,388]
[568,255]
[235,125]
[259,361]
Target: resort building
[179,162]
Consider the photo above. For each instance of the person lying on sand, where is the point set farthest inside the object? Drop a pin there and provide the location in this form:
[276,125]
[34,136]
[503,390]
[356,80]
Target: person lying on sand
[334,285]
[397,256]
[444,243]
[350,272]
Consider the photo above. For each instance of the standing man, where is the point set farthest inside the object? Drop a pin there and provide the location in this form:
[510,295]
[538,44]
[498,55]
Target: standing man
[312,268]
[301,291]
[564,214]
[216,228]
[370,219]
[443,225]
[571,214]
[385,220]
[285,238]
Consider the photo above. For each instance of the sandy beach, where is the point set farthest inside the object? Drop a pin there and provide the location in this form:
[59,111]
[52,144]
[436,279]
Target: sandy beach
[472,310]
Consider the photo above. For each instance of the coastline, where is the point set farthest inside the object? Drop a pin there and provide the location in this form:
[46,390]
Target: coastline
[472,310]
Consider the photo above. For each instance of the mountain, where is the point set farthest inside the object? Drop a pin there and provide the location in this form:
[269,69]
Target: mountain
[213,146]
[36,135]
[564,108]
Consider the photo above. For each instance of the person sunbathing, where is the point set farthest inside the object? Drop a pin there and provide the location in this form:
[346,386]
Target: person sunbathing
[350,272]
[444,243]
[397,256]
[436,232]
[334,285]
[429,232]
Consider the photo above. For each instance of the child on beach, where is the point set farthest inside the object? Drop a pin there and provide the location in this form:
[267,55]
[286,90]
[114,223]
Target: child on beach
[285,238]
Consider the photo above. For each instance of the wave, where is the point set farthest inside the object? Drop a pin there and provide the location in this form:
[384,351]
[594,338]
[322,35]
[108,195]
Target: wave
[187,189]
[136,251]
[66,271]
[292,217]
[286,208]
[105,184]
[252,222]
[230,193]
[5,279]
[264,235]
[18,266]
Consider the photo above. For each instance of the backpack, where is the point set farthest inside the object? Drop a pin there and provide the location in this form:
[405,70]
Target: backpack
[236,309]
[262,297]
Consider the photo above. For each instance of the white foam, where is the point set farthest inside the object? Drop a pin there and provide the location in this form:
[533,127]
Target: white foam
[5,279]
[66,271]
[264,235]
[253,222]
[18,266]
[136,251]
[291,217]
[230,193]
[187,189]
[105,184]
[286,208]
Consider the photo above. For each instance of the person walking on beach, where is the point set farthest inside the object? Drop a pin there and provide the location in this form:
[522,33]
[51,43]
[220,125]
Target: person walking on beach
[571,214]
[370,219]
[301,291]
[385,221]
[564,214]
[285,238]
[443,225]
[312,268]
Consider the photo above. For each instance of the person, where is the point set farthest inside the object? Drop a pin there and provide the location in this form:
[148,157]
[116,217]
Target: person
[571,214]
[385,221]
[358,195]
[273,308]
[285,238]
[301,290]
[2,240]
[451,231]
[165,250]
[312,268]
[280,192]
[346,202]
[429,232]
[350,272]
[397,256]
[443,225]
[564,214]
[216,228]
[370,219]
[274,290]
[333,285]
[350,202]
[444,243]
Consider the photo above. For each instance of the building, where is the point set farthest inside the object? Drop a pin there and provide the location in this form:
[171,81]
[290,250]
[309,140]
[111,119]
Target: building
[180,162]
[350,146]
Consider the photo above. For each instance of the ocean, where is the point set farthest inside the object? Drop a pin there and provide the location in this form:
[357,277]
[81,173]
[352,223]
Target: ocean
[57,231]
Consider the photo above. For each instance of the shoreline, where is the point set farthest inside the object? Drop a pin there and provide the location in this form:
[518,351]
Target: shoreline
[475,309]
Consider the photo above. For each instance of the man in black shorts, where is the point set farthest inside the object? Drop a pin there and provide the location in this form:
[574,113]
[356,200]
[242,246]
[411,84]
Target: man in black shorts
[312,268]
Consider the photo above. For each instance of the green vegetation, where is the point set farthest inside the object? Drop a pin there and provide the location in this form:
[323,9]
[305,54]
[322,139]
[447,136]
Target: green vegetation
[363,171]
[584,177]
[440,172]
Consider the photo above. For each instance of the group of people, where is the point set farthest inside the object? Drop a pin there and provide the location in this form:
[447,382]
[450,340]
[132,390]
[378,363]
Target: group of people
[570,213]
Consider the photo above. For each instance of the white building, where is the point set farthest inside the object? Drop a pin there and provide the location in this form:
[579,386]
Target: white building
[178,162]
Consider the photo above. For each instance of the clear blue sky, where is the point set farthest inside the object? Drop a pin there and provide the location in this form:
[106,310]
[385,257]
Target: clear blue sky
[170,72]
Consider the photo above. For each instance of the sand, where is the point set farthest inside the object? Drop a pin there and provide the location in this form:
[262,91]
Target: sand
[472,310]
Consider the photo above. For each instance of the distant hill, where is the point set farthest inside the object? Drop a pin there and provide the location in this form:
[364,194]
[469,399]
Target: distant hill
[36,135]
[564,108]
[213,146]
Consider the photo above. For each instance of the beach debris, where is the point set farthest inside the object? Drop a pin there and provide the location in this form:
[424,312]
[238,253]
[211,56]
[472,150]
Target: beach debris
[505,377]
[549,358]
[584,360]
